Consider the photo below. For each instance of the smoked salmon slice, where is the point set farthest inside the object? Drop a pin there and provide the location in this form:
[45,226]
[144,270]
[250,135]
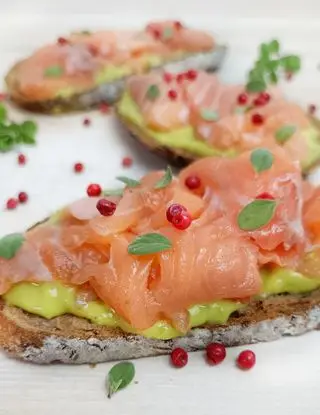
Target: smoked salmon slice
[215,257]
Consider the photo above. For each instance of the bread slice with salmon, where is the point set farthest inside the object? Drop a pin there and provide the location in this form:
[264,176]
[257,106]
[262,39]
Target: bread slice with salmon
[86,69]
[206,256]
[195,115]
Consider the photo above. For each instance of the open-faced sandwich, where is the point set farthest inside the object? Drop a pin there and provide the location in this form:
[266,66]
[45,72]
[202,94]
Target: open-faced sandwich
[191,115]
[228,251]
[84,69]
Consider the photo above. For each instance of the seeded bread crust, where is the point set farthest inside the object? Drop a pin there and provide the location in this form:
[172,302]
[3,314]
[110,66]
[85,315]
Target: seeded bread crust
[108,92]
[175,156]
[73,340]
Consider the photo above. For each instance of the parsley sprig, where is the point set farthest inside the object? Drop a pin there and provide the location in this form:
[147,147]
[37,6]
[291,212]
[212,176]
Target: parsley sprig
[12,134]
[270,65]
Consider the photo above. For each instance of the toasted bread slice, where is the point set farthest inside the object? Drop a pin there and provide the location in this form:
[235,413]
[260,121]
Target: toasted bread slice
[73,340]
[175,156]
[109,92]
[69,339]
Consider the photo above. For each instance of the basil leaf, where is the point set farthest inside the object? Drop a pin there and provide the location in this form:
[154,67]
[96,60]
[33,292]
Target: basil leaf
[209,115]
[8,138]
[149,243]
[10,244]
[256,214]
[273,78]
[54,71]
[129,182]
[256,86]
[274,46]
[264,52]
[3,113]
[28,132]
[153,92]
[291,63]
[284,133]
[167,33]
[165,180]
[273,65]
[112,192]
[119,377]
[261,159]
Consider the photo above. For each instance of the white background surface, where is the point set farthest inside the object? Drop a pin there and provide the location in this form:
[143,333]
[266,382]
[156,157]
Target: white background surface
[287,375]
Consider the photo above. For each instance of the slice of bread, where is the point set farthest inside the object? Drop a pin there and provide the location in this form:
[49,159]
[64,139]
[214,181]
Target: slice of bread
[70,339]
[108,92]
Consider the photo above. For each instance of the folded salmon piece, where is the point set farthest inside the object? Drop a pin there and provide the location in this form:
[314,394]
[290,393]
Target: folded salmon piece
[217,257]
[88,68]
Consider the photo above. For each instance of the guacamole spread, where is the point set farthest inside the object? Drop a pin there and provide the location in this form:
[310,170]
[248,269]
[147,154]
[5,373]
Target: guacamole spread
[52,299]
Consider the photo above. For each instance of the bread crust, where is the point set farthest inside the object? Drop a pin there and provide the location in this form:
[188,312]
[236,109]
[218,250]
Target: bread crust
[108,92]
[73,340]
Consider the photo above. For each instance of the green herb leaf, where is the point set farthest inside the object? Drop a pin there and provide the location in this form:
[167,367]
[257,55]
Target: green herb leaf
[28,132]
[209,115]
[167,33]
[284,133]
[149,243]
[291,63]
[3,113]
[256,214]
[129,182]
[274,46]
[261,159]
[272,65]
[112,192]
[273,78]
[256,86]
[264,52]
[120,376]
[54,71]
[10,244]
[165,180]
[153,92]
[8,138]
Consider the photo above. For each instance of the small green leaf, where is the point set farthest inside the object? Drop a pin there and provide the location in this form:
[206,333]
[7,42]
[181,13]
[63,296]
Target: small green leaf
[112,192]
[165,180]
[10,244]
[149,243]
[153,92]
[119,377]
[54,71]
[28,132]
[167,33]
[3,113]
[273,65]
[209,115]
[273,78]
[274,46]
[256,86]
[129,182]
[264,52]
[256,214]
[8,137]
[261,159]
[284,133]
[291,63]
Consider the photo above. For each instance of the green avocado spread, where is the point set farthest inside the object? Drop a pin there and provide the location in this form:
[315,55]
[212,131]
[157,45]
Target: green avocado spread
[185,139]
[112,72]
[52,299]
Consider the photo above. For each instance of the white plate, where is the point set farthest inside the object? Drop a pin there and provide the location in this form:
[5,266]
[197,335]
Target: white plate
[286,377]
